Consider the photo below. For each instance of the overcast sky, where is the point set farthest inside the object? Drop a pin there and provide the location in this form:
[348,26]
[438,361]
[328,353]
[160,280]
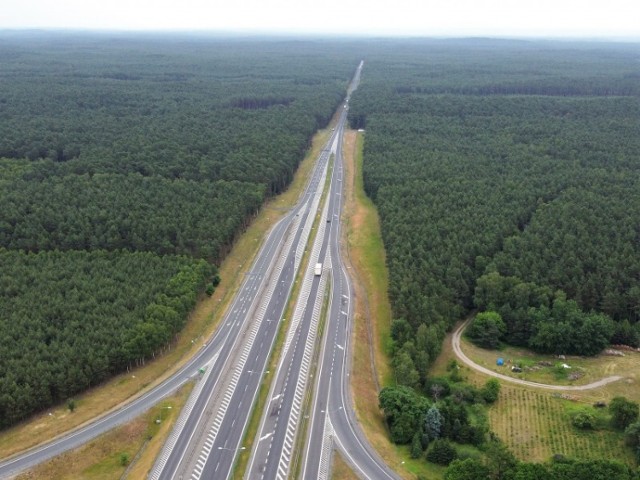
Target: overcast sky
[600,18]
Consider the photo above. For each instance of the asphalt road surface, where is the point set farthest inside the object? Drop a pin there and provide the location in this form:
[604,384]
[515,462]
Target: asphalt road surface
[208,441]
[332,420]
[276,438]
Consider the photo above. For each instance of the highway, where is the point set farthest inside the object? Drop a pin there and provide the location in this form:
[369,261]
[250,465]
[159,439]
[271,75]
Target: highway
[207,437]
[333,424]
[274,454]
[274,445]
[208,432]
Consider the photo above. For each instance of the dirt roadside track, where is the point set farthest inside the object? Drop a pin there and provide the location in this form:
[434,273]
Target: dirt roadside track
[455,343]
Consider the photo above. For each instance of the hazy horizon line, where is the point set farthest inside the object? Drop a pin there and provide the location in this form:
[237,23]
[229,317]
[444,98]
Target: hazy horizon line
[297,34]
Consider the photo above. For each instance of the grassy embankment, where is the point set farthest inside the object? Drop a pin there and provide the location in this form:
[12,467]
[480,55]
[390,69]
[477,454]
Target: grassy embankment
[201,325]
[366,256]
[340,469]
[536,423]
[134,446]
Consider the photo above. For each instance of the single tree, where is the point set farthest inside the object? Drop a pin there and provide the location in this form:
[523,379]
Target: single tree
[584,420]
[490,390]
[442,452]
[416,446]
[623,412]
[433,423]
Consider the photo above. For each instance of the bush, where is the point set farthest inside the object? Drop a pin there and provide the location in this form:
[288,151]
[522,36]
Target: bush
[584,420]
[490,390]
[623,412]
[464,392]
[441,452]
[468,469]
[632,435]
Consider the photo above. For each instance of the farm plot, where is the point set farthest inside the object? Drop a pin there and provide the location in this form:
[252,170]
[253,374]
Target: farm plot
[536,426]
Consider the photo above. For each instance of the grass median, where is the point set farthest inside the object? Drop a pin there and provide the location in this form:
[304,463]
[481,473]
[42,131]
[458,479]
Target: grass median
[256,413]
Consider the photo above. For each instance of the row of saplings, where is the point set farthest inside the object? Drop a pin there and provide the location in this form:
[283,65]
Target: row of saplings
[500,464]
[436,427]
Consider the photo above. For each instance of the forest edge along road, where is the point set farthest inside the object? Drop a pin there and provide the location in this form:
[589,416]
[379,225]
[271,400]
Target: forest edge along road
[455,343]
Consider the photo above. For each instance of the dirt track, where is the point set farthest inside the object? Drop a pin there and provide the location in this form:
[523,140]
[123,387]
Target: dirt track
[455,342]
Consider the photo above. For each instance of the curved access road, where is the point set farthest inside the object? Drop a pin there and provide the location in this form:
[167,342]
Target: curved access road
[455,342]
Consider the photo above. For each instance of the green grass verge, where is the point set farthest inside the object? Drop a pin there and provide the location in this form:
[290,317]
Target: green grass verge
[366,255]
[132,446]
[373,256]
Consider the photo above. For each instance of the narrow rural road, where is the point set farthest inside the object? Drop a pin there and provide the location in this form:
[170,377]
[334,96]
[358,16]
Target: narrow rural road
[455,342]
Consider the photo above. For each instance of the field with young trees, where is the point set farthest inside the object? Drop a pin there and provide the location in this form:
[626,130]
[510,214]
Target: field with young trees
[128,166]
[506,175]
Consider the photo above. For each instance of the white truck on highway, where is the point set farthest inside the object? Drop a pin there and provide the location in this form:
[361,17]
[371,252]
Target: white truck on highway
[318,269]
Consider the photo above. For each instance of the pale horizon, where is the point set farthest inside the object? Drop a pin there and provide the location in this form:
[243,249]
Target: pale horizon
[615,19]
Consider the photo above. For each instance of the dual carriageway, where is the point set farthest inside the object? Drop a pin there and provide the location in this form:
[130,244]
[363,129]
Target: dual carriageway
[209,432]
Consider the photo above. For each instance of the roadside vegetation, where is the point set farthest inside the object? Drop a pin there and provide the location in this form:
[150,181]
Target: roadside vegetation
[126,452]
[340,469]
[505,192]
[372,313]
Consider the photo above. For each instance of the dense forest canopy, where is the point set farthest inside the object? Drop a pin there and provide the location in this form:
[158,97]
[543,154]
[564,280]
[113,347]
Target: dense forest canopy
[71,319]
[515,160]
[128,164]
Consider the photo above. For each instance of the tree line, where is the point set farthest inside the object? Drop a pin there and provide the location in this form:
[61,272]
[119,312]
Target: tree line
[128,166]
[507,188]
